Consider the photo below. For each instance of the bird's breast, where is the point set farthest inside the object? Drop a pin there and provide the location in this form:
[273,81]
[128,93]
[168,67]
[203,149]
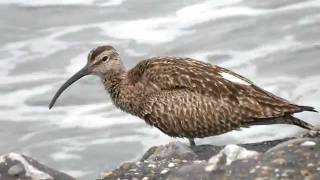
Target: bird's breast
[128,99]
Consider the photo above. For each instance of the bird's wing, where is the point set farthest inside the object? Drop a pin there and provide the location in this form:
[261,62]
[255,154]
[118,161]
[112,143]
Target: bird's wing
[218,84]
[182,113]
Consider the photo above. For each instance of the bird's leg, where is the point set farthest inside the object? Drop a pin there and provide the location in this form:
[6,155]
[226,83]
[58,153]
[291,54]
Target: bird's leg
[192,143]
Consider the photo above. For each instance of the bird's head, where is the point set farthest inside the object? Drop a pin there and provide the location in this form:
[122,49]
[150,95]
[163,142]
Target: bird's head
[102,60]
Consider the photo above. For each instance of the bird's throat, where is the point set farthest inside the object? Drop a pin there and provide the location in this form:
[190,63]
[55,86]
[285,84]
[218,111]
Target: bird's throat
[112,81]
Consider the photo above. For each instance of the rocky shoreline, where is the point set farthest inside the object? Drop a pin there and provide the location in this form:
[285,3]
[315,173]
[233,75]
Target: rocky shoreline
[294,158]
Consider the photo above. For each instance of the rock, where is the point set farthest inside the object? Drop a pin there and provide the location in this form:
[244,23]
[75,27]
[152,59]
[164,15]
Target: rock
[176,150]
[216,167]
[16,166]
[299,159]
[229,154]
[293,159]
[205,152]
[190,172]
[156,163]
[281,159]
[16,170]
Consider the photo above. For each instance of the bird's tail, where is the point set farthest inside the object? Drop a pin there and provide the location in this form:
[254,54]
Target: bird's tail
[295,121]
[286,119]
[308,108]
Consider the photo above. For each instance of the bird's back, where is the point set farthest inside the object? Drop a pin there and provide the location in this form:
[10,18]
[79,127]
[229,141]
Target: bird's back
[189,98]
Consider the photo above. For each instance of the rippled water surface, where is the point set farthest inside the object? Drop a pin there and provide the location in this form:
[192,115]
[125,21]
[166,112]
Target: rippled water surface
[274,43]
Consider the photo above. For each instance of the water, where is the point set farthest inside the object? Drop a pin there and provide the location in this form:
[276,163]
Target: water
[276,44]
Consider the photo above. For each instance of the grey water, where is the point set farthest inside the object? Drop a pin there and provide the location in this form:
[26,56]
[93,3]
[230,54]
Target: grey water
[275,43]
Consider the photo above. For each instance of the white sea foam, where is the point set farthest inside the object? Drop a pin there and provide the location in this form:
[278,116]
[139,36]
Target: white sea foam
[150,31]
[300,5]
[169,28]
[58,156]
[165,29]
[187,18]
[40,3]
[31,77]
[18,97]
[22,51]
[308,20]
[240,58]
[77,173]
[77,63]
[112,3]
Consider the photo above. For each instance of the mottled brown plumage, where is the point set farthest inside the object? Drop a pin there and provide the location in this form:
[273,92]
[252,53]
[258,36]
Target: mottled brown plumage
[184,97]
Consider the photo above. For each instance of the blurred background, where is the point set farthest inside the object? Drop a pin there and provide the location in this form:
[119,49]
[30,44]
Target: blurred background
[274,43]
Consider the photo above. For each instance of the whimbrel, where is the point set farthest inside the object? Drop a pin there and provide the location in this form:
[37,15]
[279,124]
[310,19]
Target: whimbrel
[184,97]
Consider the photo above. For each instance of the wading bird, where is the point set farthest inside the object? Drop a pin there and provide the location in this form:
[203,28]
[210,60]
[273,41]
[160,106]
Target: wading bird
[184,97]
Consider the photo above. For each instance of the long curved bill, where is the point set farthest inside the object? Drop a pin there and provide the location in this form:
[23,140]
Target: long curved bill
[83,72]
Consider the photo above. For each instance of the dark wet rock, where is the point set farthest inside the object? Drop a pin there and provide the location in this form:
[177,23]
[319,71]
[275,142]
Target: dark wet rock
[16,166]
[176,150]
[270,4]
[293,159]
[189,172]
[297,158]
[206,151]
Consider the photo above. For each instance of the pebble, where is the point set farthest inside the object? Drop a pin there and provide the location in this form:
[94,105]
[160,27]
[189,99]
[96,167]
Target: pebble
[308,143]
[106,174]
[210,168]
[259,178]
[197,161]
[252,171]
[16,169]
[171,165]
[165,171]
[145,178]
[305,172]
[310,165]
[152,166]
[284,174]
[279,161]
[126,166]
[290,145]
[266,168]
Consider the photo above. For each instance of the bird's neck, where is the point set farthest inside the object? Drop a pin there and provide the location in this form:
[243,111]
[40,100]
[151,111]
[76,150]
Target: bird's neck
[112,80]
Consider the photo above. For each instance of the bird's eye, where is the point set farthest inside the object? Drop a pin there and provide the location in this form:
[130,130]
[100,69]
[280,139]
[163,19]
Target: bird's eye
[105,58]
